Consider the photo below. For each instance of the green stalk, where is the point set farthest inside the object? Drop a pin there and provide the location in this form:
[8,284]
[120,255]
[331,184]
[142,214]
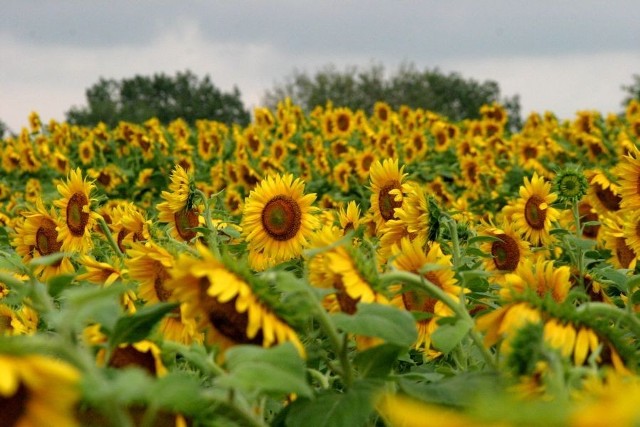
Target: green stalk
[580,254]
[436,292]
[212,236]
[105,229]
[612,312]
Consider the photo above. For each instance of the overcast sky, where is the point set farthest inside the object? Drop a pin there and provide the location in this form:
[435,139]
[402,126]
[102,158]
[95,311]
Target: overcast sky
[561,56]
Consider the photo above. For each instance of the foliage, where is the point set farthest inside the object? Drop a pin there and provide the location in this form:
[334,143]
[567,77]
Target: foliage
[451,94]
[632,90]
[160,96]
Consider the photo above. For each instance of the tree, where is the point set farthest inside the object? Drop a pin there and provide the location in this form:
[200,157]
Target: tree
[165,97]
[632,90]
[3,129]
[448,94]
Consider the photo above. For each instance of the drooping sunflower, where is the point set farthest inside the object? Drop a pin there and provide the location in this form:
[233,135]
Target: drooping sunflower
[349,219]
[541,276]
[623,254]
[533,213]
[130,225]
[629,173]
[411,256]
[180,190]
[37,391]
[388,190]
[150,264]
[507,252]
[603,193]
[38,236]
[228,302]
[74,231]
[278,218]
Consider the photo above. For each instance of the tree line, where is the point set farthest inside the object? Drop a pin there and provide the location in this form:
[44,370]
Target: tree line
[190,97]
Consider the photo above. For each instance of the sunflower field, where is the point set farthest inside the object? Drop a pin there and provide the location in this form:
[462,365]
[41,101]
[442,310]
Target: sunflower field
[335,268]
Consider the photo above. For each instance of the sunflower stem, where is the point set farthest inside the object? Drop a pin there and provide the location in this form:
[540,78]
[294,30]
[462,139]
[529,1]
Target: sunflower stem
[105,229]
[455,242]
[612,312]
[339,346]
[212,236]
[580,254]
[458,309]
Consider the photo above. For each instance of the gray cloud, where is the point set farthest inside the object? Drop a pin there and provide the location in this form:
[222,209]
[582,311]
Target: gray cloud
[377,28]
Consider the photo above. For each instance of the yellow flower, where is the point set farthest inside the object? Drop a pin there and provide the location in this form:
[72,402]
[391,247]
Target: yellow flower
[543,277]
[410,256]
[388,190]
[179,190]
[224,303]
[507,253]
[78,220]
[278,218]
[101,273]
[37,391]
[629,173]
[533,212]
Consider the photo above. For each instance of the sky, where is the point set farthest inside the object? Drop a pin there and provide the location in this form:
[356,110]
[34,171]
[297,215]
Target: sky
[560,56]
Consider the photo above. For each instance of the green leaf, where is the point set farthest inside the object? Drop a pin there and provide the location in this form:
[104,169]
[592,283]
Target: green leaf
[393,325]
[458,391]
[179,392]
[275,371]
[633,282]
[47,259]
[482,239]
[90,304]
[447,336]
[138,326]
[377,361]
[331,409]
[57,284]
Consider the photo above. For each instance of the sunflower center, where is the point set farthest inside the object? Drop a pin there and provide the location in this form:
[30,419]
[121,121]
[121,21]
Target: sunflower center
[608,198]
[535,216]
[161,276]
[13,407]
[624,253]
[506,253]
[233,325]
[414,301]
[282,218]
[46,238]
[346,303]
[77,219]
[387,201]
[530,152]
[129,356]
[342,122]
[589,231]
[185,220]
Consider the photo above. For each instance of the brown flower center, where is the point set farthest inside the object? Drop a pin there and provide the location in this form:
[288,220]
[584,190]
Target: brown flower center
[13,407]
[535,216]
[506,253]
[608,198]
[387,202]
[624,253]
[226,320]
[46,238]
[161,276]
[342,122]
[129,356]
[346,303]
[282,218]
[77,219]
[588,231]
[186,220]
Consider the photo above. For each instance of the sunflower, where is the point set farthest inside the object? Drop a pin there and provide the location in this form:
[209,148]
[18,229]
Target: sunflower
[101,273]
[278,218]
[349,219]
[231,306]
[340,175]
[130,225]
[142,354]
[343,121]
[78,219]
[629,173]
[603,193]
[441,136]
[37,236]
[150,265]
[37,391]
[533,212]
[410,256]
[622,254]
[388,190]
[507,252]
[542,277]
[364,160]
[180,190]
[107,178]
